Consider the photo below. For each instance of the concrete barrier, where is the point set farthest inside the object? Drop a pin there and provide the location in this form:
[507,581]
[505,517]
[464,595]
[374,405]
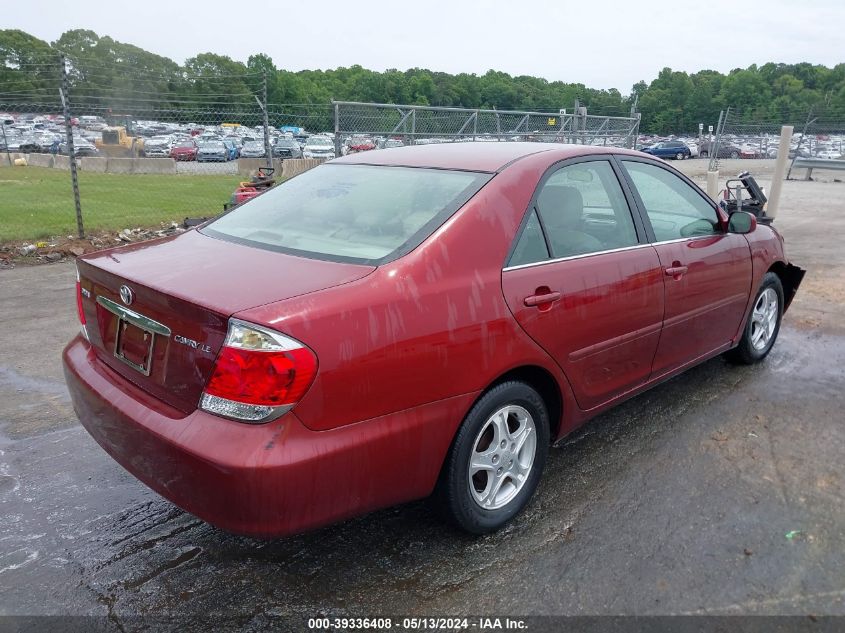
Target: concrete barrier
[248,166]
[8,159]
[287,168]
[61,162]
[39,160]
[295,166]
[154,166]
[120,165]
[93,164]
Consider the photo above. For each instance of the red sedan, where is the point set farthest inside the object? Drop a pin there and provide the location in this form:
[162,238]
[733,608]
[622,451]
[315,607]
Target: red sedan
[399,323]
[184,150]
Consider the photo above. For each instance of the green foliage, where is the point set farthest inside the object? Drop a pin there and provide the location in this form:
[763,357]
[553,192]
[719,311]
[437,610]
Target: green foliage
[112,74]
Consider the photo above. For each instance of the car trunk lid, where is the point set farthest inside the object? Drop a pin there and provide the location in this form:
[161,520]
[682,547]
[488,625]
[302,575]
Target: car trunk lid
[164,333]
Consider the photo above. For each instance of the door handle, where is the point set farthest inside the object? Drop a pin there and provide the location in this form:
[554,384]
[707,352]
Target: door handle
[676,271]
[541,299]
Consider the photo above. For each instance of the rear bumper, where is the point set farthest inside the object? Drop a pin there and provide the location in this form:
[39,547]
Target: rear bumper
[262,480]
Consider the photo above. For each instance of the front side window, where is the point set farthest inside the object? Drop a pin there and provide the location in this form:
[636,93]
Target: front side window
[357,213]
[583,210]
[674,208]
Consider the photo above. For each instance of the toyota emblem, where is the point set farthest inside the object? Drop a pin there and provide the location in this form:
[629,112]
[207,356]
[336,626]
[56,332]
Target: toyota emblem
[126,295]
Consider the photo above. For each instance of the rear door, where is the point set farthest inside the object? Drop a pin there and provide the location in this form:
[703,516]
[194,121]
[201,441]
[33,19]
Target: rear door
[583,282]
[707,271]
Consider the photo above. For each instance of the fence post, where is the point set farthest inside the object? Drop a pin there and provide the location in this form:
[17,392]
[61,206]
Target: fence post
[71,154]
[413,125]
[807,124]
[780,167]
[267,150]
[713,148]
[337,143]
[6,144]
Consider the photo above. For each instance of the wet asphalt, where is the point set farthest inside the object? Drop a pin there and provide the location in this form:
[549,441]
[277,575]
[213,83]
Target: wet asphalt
[718,492]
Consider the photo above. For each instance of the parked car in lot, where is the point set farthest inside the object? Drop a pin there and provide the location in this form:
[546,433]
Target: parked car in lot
[184,150]
[359,144]
[318,147]
[81,147]
[287,148]
[238,144]
[400,323]
[669,149]
[726,150]
[253,149]
[210,151]
[157,147]
[233,151]
[391,142]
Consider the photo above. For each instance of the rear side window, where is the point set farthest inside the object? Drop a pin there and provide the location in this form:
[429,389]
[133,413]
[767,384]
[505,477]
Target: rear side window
[531,246]
[357,213]
[674,208]
[583,210]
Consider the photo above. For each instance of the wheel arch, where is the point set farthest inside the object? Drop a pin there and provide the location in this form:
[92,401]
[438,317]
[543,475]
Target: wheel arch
[543,382]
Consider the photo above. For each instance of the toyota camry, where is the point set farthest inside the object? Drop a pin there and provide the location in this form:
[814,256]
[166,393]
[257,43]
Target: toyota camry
[413,322]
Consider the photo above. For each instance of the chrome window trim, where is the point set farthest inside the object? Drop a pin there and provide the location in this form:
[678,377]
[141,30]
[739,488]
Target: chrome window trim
[688,239]
[580,256]
[613,250]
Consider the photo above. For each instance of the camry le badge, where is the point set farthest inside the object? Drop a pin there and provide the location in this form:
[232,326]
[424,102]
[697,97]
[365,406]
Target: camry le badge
[126,295]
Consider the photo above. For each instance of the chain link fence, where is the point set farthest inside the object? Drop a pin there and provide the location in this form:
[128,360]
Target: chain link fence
[84,154]
[88,148]
[817,133]
[386,125]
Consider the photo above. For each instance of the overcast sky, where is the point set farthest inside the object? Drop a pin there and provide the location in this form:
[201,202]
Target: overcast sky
[600,43]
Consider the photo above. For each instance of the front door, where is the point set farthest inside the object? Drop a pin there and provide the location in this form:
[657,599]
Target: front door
[707,271]
[584,285]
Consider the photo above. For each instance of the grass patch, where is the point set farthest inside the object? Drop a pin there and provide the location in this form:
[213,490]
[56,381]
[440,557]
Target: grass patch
[37,202]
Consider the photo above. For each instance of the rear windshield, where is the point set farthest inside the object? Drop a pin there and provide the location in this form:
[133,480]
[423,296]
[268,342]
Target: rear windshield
[355,213]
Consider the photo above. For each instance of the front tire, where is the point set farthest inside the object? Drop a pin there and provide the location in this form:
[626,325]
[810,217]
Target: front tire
[679,156]
[763,324]
[496,459]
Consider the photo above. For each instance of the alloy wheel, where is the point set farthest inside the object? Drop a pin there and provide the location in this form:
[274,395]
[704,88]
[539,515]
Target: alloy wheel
[502,457]
[764,318]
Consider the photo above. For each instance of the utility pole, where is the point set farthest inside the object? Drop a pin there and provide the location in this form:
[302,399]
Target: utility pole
[71,154]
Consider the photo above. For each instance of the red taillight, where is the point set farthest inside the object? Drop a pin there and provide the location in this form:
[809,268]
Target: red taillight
[79,309]
[262,378]
[259,374]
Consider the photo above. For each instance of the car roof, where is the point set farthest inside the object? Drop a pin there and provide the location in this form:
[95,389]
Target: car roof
[484,157]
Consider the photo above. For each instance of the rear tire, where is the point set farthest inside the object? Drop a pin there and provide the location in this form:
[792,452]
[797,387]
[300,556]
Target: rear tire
[679,156]
[496,459]
[763,324]
[703,154]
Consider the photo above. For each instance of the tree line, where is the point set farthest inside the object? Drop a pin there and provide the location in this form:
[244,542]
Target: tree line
[103,72]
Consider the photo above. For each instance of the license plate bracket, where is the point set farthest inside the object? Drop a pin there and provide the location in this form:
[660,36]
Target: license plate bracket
[134,346]
[135,336]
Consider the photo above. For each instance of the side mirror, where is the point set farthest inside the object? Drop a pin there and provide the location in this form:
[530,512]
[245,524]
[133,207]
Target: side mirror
[741,222]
